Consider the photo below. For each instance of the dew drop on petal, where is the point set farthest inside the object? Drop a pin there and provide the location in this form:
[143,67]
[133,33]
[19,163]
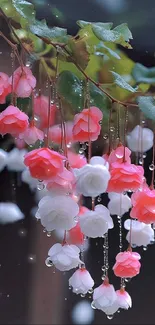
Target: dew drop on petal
[151,167]
[110,316]
[144,248]
[40,186]
[93,305]
[91,291]
[49,234]
[48,262]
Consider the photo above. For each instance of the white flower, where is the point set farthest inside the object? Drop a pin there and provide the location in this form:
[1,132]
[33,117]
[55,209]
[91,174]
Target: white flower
[64,257]
[82,313]
[96,223]
[9,213]
[15,160]
[141,234]
[97,160]
[105,299]
[140,139]
[92,180]
[119,203]
[3,159]
[28,179]
[124,299]
[57,212]
[81,281]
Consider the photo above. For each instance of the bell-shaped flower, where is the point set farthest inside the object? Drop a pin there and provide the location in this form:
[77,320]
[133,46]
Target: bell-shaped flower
[62,183]
[119,204]
[76,160]
[23,82]
[3,159]
[81,281]
[140,235]
[44,163]
[57,212]
[9,213]
[64,257]
[41,107]
[105,299]
[13,121]
[140,139]
[56,133]
[96,223]
[92,179]
[32,135]
[117,155]
[124,299]
[15,160]
[127,264]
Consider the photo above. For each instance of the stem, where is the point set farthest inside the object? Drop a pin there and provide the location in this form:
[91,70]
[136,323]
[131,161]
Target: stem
[49,113]
[153,158]
[14,48]
[93,203]
[125,129]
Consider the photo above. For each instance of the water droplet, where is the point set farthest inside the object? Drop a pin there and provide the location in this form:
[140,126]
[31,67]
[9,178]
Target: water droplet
[22,232]
[105,137]
[127,279]
[8,296]
[69,145]
[53,271]
[143,121]
[81,151]
[28,64]
[144,248]
[84,146]
[91,291]
[152,242]
[144,155]
[70,288]
[112,129]
[151,167]
[118,217]
[49,233]
[103,277]
[100,122]
[40,186]
[99,199]
[93,305]
[134,245]
[82,295]
[65,299]
[118,311]
[32,258]
[140,161]
[48,262]
[103,268]
[110,316]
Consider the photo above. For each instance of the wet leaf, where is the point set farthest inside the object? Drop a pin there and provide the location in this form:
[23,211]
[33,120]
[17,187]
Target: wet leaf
[102,49]
[41,29]
[147,106]
[79,52]
[143,74]
[120,81]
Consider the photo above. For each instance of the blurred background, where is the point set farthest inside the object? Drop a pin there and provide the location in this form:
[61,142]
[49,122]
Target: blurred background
[30,292]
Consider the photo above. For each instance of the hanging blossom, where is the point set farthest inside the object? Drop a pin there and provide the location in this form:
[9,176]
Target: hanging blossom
[3,159]
[127,264]
[86,124]
[23,82]
[81,281]
[75,235]
[5,87]
[92,179]
[28,179]
[57,212]
[32,134]
[105,298]
[13,121]
[15,160]
[62,183]
[96,223]
[56,133]
[76,160]
[140,235]
[41,107]
[143,205]
[125,177]
[44,163]
[64,257]
[140,139]
[9,213]
[119,203]
[117,155]
[123,299]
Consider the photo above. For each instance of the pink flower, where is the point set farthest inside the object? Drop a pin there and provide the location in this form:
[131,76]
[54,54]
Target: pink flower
[127,264]
[61,183]
[76,160]
[83,210]
[32,134]
[5,87]
[125,177]
[117,155]
[86,124]
[143,205]
[20,144]
[41,110]
[13,121]
[124,299]
[44,163]
[23,82]
[57,136]
[75,235]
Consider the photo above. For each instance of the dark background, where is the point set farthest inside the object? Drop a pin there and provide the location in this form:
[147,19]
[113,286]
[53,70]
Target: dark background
[31,293]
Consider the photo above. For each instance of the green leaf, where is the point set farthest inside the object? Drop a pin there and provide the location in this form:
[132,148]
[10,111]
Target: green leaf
[102,49]
[119,81]
[124,31]
[79,52]
[83,23]
[25,9]
[70,88]
[41,29]
[99,99]
[143,74]
[147,106]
